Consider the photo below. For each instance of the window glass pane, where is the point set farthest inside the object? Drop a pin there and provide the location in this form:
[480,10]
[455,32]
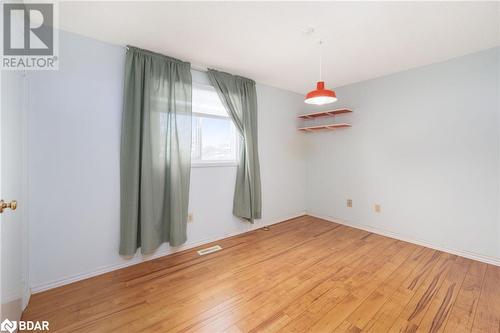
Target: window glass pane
[214,135]
[206,100]
[217,139]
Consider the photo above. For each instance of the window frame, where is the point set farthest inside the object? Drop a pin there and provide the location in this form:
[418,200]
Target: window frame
[216,163]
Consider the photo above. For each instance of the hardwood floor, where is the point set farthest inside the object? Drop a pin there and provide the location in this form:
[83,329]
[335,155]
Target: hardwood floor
[304,274]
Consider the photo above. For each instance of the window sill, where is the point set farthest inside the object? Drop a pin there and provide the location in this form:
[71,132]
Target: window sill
[214,164]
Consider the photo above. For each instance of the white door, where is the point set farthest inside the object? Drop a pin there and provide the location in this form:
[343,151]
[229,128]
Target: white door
[13,227]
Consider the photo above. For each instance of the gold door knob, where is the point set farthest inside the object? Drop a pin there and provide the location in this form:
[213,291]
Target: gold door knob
[3,205]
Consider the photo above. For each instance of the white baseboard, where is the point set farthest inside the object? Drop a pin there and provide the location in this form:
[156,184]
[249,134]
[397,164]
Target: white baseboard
[139,259]
[26,297]
[462,253]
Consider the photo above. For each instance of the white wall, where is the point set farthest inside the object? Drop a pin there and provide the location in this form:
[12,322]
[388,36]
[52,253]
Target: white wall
[75,120]
[425,145]
[498,134]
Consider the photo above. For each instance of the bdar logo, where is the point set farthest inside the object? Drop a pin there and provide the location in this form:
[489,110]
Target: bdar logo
[8,325]
[22,325]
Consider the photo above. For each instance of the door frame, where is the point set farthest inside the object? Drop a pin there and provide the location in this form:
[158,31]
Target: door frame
[25,217]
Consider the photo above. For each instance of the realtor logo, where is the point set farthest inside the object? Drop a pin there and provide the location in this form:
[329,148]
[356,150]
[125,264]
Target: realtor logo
[37,37]
[29,36]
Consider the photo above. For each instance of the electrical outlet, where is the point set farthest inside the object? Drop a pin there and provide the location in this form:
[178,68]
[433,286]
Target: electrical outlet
[190,217]
[377,208]
[349,203]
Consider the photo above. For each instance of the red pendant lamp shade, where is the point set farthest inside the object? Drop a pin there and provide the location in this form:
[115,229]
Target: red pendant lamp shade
[321,95]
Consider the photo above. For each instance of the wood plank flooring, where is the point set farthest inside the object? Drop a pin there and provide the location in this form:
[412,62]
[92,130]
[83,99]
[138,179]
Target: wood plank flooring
[303,275]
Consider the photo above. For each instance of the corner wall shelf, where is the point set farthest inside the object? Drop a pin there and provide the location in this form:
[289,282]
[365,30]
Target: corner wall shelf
[328,113]
[323,127]
[315,115]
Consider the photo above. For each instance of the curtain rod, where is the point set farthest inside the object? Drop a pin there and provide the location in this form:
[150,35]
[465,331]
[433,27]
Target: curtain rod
[199,68]
[195,67]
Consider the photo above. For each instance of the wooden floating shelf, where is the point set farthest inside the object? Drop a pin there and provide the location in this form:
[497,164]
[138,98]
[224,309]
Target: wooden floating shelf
[324,127]
[328,113]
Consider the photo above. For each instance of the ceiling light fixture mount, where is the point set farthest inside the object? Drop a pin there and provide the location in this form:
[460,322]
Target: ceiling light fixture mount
[320,95]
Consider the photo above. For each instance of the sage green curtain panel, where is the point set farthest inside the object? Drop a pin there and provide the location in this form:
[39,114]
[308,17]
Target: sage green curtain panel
[240,100]
[155,151]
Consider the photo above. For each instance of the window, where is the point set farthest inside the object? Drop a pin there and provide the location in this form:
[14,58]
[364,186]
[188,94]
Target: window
[215,140]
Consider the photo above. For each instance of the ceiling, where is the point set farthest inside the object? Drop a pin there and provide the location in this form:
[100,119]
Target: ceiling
[266,41]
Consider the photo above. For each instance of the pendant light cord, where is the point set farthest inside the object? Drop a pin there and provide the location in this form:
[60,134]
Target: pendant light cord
[320,58]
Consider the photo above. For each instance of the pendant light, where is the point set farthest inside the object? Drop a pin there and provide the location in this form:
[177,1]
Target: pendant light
[320,96]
